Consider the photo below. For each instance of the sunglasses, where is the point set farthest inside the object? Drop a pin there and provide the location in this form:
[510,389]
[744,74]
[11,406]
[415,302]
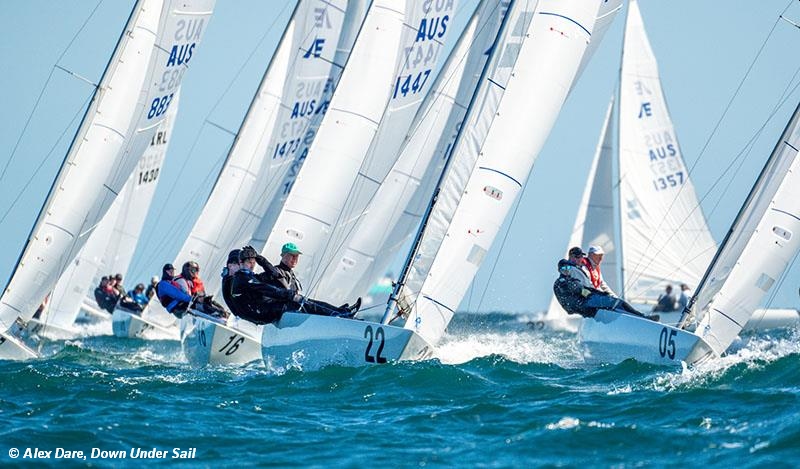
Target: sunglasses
[565,267]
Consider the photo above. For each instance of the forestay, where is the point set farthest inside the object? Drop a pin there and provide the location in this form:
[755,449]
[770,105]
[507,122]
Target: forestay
[383,84]
[275,133]
[529,74]
[373,240]
[110,247]
[664,236]
[759,247]
[130,103]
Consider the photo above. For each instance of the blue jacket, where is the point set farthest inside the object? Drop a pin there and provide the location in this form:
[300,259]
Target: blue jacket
[170,295]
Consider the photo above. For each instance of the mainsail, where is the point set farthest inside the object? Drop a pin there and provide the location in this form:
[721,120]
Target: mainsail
[388,73]
[110,247]
[416,170]
[664,235]
[274,135]
[759,247]
[129,105]
[531,69]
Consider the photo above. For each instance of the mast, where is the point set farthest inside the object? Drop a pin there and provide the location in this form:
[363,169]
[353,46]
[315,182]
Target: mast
[426,217]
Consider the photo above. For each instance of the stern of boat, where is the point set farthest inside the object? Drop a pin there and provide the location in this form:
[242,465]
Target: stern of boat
[208,341]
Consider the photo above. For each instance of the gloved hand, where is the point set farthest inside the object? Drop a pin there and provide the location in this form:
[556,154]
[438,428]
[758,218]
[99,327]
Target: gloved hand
[585,292]
[262,261]
[298,298]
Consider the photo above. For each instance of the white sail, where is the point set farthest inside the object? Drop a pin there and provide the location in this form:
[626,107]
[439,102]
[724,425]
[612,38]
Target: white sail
[385,79]
[665,239]
[130,103]
[430,138]
[517,101]
[758,249]
[279,124]
[110,247]
[281,184]
[594,224]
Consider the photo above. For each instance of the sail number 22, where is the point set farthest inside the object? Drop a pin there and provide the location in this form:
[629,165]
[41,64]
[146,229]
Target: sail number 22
[379,335]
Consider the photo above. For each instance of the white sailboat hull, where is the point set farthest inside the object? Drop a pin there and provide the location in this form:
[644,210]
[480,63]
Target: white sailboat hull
[612,337]
[311,342]
[11,348]
[206,341]
[134,326]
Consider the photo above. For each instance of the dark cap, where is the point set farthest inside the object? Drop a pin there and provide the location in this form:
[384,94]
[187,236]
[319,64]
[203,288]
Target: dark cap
[247,252]
[233,257]
[168,267]
[564,262]
[576,251]
[118,276]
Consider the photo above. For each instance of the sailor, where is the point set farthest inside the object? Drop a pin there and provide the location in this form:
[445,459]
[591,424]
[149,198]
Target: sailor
[666,301]
[263,298]
[581,270]
[118,286]
[576,298]
[230,269]
[104,298]
[683,300]
[151,289]
[138,295]
[594,259]
[189,282]
[170,294]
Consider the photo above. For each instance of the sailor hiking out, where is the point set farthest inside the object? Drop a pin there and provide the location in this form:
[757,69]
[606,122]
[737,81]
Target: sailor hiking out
[264,297]
[577,298]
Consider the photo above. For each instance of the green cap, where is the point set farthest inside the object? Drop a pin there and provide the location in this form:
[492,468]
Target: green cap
[290,248]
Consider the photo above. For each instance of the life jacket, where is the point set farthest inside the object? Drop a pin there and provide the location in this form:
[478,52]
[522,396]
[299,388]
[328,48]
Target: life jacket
[594,272]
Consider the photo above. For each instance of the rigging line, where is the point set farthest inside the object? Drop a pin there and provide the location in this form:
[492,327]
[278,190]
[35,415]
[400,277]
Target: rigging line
[44,88]
[738,159]
[185,217]
[322,267]
[47,157]
[722,117]
[786,92]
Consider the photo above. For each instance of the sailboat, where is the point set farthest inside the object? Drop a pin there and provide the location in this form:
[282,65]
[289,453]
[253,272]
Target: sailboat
[757,249]
[491,153]
[110,247]
[128,106]
[272,142]
[652,230]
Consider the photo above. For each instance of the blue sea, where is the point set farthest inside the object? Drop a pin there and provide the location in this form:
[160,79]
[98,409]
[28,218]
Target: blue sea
[499,394]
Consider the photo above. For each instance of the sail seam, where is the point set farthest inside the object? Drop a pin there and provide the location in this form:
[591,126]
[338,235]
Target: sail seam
[786,213]
[501,173]
[439,303]
[309,216]
[729,318]
[791,146]
[566,18]
[498,84]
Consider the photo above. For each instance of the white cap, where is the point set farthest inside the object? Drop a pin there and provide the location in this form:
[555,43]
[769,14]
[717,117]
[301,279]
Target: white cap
[596,250]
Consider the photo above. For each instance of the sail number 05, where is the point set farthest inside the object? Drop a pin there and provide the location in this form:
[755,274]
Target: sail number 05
[379,335]
[666,343]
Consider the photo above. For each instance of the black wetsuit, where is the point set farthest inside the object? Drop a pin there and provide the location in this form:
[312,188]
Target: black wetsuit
[105,300]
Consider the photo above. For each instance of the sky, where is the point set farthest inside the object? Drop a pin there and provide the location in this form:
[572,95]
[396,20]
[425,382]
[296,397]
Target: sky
[704,52]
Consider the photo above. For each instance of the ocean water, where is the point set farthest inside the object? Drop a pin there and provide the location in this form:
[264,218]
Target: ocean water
[499,394]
